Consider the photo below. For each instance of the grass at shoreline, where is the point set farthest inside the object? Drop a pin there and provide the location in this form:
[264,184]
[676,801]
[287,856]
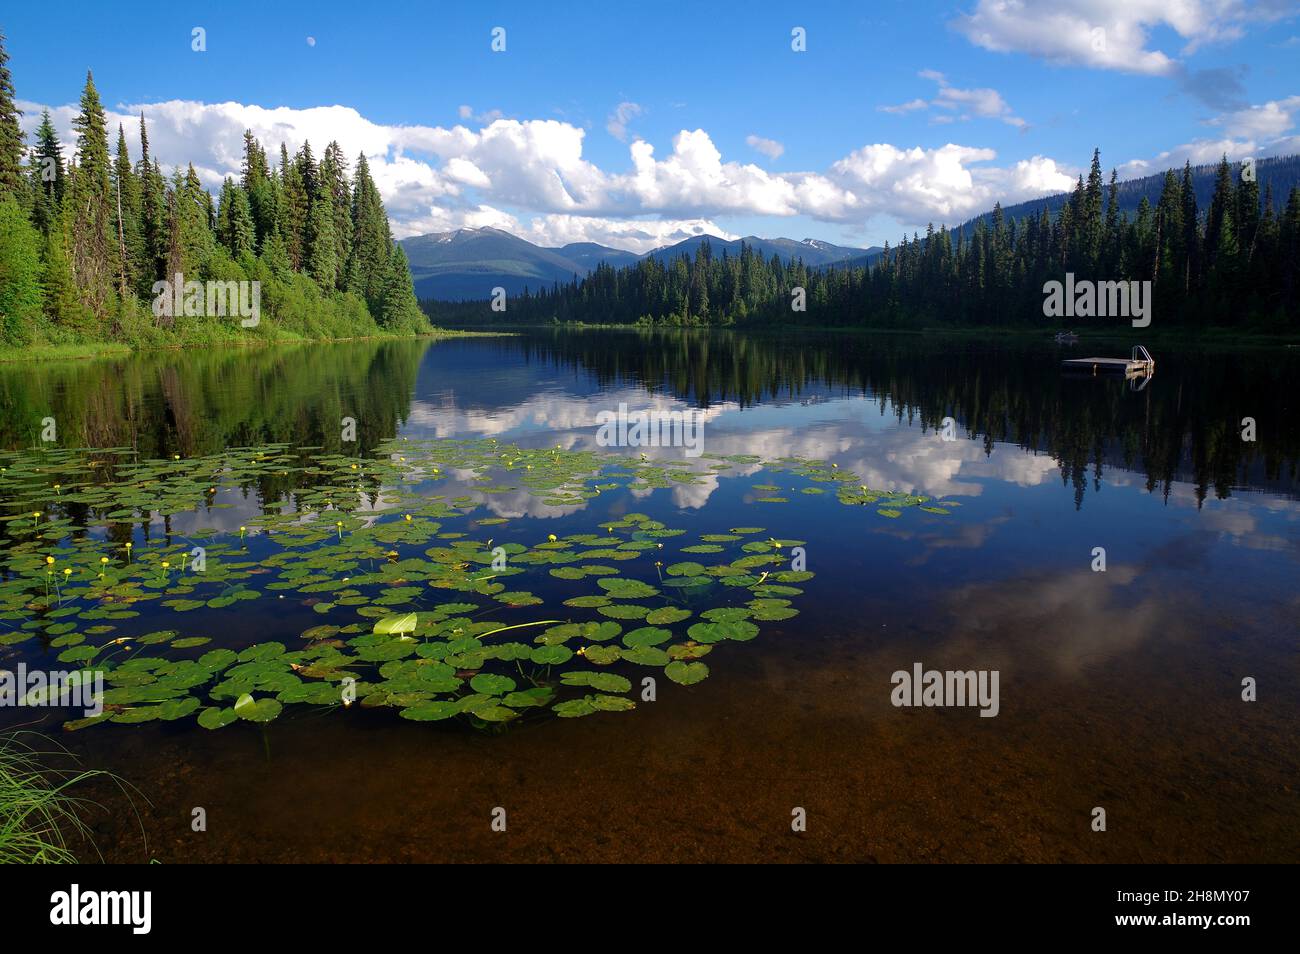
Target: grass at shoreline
[117,349]
[40,816]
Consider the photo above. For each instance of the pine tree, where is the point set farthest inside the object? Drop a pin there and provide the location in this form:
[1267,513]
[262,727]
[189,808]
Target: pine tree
[399,311]
[335,187]
[1092,223]
[48,175]
[235,227]
[11,134]
[134,264]
[371,238]
[1221,245]
[260,188]
[1191,231]
[295,210]
[193,237]
[153,213]
[322,264]
[88,211]
[1170,233]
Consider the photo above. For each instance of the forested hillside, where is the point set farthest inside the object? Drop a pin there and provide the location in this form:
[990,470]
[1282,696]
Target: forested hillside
[1233,263]
[1278,173]
[87,229]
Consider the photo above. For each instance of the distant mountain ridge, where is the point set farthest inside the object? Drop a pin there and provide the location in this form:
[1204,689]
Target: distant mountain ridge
[1282,172]
[467,264]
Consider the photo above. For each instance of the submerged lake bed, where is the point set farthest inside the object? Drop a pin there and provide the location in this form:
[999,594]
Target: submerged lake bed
[430,591]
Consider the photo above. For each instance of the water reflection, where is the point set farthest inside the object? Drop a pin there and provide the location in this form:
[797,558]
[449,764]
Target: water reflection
[871,403]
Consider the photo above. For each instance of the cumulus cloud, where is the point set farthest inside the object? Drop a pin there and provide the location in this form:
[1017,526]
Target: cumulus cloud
[768,147]
[1108,34]
[532,175]
[944,184]
[1267,121]
[1263,130]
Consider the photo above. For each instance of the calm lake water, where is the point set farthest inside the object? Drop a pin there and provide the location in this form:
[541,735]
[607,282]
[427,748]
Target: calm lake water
[1119,689]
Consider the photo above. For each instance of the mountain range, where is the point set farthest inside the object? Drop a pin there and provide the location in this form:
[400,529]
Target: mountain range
[468,263]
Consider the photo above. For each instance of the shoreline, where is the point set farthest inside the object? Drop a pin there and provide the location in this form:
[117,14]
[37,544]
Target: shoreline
[116,349]
[1215,335]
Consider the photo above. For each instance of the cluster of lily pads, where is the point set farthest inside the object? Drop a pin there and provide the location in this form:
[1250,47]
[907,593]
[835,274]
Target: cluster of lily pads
[87,546]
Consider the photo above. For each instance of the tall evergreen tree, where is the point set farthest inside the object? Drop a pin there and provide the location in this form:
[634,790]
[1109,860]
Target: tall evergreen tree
[11,134]
[153,212]
[322,264]
[335,188]
[295,210]
[48,175]
[88,211]
[235,227]
[371,238]
[134,264]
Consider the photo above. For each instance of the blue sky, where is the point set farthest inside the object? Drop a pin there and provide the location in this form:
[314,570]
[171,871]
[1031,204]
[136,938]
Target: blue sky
[634,125]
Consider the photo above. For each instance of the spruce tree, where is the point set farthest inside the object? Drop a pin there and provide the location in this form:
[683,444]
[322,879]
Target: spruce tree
[295,210]
[11,134]
[399,311]
[153,213]
[334,185]
[134,263]
[88,211]
[322,264]
[48,175]
[371,238]
[1092,223]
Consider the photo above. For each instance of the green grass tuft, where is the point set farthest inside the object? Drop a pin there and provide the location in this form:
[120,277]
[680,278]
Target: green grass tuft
[40,817]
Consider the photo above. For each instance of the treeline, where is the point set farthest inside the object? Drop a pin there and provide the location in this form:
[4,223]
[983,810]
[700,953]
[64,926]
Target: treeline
[83,239]
[1234,263]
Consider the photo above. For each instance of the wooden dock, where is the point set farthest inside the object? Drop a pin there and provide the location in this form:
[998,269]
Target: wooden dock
[1141,363]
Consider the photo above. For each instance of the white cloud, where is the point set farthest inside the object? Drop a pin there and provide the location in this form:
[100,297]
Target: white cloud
[984,102]
[960,103]
[908,107]
[1108,34]
[918,185]
[490,116]
[624,113]
[1268,121]
[1253,131]
[768,147]
[524,175]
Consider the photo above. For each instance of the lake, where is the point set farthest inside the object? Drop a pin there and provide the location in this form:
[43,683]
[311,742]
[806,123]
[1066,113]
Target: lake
[1111,553]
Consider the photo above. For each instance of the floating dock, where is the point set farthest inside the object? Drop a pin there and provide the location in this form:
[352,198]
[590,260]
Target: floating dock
[1141,363]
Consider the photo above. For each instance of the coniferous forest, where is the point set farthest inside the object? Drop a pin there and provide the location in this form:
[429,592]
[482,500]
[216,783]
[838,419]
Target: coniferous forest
[86,229]
[1235,264]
